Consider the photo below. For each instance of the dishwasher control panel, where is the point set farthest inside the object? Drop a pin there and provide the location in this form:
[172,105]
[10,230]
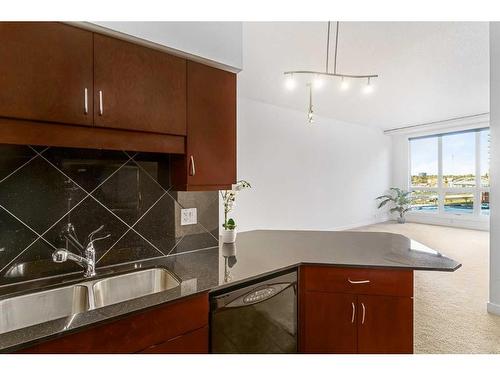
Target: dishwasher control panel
[259,295]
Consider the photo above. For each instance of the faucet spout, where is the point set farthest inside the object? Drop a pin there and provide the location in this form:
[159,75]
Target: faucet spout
[88,260]
[88,263]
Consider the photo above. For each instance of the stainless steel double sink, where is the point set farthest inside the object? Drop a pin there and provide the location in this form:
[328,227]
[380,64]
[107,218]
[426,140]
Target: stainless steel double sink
[34,308]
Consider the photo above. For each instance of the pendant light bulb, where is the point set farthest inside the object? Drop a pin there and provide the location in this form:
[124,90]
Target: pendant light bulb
[344,84]
[290,82]
[318,82]
[368,89]
[310,116]
[310,113]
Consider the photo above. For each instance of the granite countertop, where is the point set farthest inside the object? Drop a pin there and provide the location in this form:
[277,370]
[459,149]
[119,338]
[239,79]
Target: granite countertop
[255,254]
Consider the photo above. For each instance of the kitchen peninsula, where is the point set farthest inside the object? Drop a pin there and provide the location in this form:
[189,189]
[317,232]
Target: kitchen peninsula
[337,272]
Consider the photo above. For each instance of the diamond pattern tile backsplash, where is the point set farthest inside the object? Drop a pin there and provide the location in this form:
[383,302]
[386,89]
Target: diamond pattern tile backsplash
[42,190]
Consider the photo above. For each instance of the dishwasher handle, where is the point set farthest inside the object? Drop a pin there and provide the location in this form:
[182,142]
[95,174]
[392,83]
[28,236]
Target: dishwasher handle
[259,294]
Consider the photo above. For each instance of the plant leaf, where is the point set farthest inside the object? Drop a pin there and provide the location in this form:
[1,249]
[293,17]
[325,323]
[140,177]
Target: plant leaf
[384,196]
[383,203]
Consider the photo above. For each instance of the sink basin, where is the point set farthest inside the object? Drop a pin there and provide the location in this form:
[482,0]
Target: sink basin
[35,308]
[133,285]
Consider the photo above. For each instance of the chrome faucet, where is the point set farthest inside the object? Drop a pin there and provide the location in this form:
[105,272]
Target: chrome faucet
[88,261]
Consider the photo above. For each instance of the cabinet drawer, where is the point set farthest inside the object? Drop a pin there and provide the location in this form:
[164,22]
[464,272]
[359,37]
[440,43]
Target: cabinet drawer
[358,280]
[195,342]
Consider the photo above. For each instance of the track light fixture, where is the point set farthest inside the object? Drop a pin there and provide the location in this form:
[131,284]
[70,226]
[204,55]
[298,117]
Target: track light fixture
[316,78]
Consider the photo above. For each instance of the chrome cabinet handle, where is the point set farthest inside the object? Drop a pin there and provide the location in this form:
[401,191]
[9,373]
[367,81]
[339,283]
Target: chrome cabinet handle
[192,171]
[364,313]
[86,101]
[101,107]
[358,281]
[353,312]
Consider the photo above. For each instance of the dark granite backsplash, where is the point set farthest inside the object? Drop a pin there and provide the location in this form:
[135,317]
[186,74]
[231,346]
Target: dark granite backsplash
[43,189]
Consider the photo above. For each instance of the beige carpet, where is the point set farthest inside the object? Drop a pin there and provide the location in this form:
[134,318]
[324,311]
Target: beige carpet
[450,308]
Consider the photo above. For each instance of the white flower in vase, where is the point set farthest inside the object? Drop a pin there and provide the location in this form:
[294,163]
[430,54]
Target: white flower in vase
[228,199]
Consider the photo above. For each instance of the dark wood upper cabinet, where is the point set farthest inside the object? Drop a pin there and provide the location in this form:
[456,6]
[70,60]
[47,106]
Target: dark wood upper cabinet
[138,88]
[130,97]
[210,160]
[45,70]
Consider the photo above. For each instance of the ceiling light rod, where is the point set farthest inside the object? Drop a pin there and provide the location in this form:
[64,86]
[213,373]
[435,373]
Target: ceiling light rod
[291,72]
[327,67]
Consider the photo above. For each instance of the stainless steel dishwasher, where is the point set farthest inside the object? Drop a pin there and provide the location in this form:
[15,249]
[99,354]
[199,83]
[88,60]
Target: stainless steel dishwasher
[256,318]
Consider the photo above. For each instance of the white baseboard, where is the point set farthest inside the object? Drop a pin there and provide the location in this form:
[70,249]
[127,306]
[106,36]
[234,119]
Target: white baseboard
[376,220]
[493,308]
[450,221]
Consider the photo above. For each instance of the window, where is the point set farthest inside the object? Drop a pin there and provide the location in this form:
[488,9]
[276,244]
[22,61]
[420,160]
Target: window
[425,201]
[424,162]
[484,156]
[458,202]
[459,162]
[449,173]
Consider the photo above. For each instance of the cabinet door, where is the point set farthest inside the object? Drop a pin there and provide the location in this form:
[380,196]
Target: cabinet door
[329,323]
[138,88]
[211,140]
[45,71]
[385,325]
[195,342]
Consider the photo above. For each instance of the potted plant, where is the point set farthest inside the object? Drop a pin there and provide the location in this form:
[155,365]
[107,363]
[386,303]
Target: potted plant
[401,201]
[228,199]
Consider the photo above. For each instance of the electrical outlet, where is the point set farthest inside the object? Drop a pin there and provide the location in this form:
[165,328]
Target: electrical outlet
[188,216]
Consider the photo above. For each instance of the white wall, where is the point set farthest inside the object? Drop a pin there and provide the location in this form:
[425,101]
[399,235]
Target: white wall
[217,41]
[323,176]
[494,302]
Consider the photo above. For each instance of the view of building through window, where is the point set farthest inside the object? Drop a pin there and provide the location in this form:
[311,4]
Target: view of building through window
[449,173]
[424,162]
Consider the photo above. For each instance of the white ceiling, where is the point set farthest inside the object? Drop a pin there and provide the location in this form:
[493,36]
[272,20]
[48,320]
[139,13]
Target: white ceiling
[429,71]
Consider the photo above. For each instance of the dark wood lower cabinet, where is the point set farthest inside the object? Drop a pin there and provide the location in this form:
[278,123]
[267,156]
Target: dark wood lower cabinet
[195,342]
[330,323]
[337,317]
[176,327]
[387,326]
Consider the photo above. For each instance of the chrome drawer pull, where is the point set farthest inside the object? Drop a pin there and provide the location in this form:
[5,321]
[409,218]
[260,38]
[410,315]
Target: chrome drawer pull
[353,312]
[192,171]
[86,102]
[101,107]
[364,313]
[358,281]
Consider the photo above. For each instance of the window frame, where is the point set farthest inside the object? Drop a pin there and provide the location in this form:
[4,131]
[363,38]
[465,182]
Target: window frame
[441,190]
